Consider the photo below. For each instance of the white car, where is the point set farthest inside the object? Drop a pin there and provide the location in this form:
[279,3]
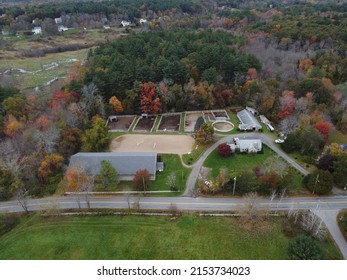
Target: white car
[279,141]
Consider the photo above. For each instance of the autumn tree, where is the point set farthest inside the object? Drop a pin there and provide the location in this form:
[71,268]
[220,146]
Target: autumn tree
[50,173]
[13,127]
[50,166]
[70,141]
[224,150]
[149,103]
[271,181]
[14,106]
[205,134]
[77,179]
[287,104]
[116,104]
[326,162]
[108,176]
[324,129]
[141,180]
[95,139]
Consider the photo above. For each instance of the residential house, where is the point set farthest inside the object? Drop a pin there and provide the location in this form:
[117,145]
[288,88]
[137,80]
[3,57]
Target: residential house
[125,23]
[37,30]
[246,145]
[126,163]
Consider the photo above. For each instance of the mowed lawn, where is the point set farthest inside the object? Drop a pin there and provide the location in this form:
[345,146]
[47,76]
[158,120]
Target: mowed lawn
[134,237]
[240,162]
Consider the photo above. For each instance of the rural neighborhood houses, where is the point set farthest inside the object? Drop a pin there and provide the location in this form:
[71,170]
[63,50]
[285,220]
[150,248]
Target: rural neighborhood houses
[125,163]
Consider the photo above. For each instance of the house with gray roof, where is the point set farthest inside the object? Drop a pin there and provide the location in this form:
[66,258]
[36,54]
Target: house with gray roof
[126,163]
[248,121]
[246,145]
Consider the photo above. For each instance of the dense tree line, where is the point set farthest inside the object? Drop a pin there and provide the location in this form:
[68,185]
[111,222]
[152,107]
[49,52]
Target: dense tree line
[187,62]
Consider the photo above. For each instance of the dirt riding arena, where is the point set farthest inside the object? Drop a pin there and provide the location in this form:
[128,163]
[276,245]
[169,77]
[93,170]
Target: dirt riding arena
[170,123]
[190,121]
[209,116]
[122,123]
[162,144]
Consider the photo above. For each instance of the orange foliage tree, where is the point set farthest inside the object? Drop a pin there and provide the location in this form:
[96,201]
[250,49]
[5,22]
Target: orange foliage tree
[50,165]
[116,104]
[13,127]
[76,179]
[149,103]
[43,122]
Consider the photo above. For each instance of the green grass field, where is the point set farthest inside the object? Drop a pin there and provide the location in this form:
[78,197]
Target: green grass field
[145,238]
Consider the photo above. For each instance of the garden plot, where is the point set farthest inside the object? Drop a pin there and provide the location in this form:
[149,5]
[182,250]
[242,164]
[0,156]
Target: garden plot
[170,123]
[220,115]
[144,125]
[190,120]
[122,123]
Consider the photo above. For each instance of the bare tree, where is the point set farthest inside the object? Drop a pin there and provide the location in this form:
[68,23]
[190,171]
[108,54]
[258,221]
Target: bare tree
[173,209]
[47,140]
[22,197]
[172,182]
[301,105]
[276,165]
[289,124]
[311,223]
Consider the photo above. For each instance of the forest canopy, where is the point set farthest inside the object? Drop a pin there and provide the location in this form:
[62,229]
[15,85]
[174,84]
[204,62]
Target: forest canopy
[171,56]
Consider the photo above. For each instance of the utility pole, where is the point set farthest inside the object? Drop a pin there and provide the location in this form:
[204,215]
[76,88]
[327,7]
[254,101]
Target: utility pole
[234,185]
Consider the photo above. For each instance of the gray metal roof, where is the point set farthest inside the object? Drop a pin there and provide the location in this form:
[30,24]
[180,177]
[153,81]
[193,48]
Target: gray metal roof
[248,120]
[126,163]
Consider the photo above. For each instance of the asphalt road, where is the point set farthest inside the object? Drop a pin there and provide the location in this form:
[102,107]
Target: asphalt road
[182,203]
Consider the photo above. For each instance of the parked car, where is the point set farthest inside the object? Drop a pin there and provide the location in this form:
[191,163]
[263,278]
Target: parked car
[279,141]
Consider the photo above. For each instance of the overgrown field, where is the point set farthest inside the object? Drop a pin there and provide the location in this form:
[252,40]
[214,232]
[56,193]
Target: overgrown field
[133,237]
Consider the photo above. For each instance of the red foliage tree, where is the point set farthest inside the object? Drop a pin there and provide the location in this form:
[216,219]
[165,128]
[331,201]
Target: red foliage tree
[224,150]
[324,129]
[61,98]
[141,180]
[149,103]
[287,101]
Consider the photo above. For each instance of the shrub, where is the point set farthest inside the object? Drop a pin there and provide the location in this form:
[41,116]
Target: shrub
[224,150]
[304,248]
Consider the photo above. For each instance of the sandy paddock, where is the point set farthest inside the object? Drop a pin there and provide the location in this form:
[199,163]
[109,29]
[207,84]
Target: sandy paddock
[162,144]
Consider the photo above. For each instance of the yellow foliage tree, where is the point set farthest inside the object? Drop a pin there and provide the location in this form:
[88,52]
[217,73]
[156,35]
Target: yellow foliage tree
[117,105]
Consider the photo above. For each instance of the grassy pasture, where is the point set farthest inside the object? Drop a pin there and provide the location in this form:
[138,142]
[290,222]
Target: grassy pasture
[147,238]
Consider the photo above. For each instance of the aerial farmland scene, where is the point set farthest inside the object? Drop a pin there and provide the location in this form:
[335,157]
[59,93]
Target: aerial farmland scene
[173,130]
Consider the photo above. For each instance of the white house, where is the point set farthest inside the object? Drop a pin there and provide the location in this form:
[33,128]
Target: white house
[125,23]
[58,20]
[248,145]
[142,20]
[37,30]
[62,28]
